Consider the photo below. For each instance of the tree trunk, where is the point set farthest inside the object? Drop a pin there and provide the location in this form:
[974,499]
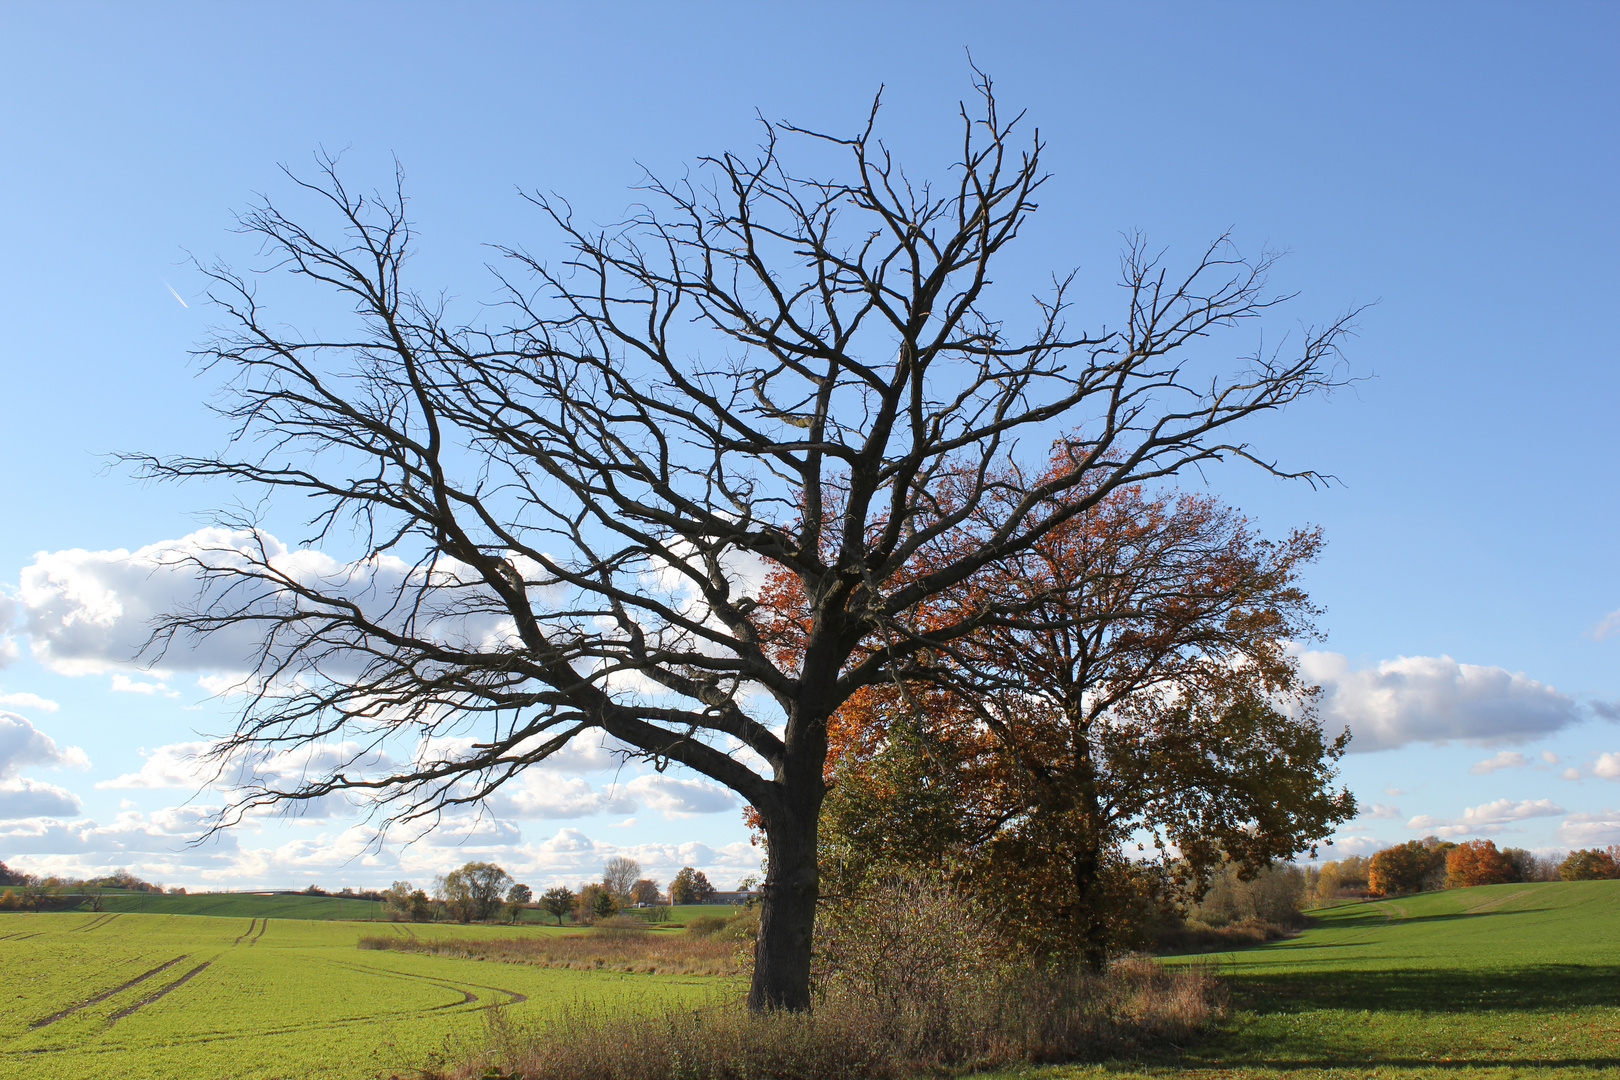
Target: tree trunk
[788,918]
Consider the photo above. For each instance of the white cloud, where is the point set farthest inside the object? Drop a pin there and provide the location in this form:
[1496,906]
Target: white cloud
[680,797]
[1571,774]
[1381,810]
[1434,699]
[25,798]
[1504,759]
[176,765]
[1487,818]
[1607,766]
[8,642]
[542,795]
[1609,625]
[29,701]
[1585,830]
[123,684]
[1549,757]
[23,744]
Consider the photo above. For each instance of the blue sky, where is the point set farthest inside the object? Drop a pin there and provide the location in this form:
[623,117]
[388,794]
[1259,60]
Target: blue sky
[1454,163]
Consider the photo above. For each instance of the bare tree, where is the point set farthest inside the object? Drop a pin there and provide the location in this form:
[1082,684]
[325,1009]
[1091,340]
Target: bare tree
[558,521]
[619,877]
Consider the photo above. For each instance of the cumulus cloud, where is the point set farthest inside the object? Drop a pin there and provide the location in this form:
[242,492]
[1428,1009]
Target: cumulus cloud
[8,641]
[1608,626]
[176,765]
[29,701]
[1607,766]
[25,798]
[539,795]
[1435,699]
[1504,759]
[22,744]
[679,797]
[123,684]
[88,612]
[1381,810]
[1487,818]
[1586,830]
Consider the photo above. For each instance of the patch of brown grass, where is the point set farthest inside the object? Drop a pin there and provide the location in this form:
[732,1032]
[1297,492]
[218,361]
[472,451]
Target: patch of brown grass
[609,949]
[1038,1017]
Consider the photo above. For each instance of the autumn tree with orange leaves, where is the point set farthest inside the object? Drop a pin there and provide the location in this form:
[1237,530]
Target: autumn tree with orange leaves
[1138,723]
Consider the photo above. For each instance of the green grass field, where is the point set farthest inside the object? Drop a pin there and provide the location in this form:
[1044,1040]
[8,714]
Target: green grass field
[139,995]
[1502,981]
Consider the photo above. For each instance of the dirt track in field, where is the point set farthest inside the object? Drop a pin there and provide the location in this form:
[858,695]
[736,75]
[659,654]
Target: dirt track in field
[105,994]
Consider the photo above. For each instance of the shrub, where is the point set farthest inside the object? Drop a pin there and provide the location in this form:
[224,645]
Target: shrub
[706,925]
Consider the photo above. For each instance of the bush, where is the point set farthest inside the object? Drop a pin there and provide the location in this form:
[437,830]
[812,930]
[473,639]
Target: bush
[909,981]
[706,925]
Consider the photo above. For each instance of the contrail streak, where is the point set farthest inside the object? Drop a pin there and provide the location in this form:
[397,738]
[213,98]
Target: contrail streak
[174,294]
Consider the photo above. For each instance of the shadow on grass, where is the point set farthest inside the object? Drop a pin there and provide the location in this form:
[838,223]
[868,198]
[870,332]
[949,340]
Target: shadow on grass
[1517,989]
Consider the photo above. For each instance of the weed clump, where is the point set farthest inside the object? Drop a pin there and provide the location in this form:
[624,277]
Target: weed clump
[909,983]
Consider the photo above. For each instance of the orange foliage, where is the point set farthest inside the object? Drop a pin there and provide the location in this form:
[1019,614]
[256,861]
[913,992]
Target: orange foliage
[1477,862]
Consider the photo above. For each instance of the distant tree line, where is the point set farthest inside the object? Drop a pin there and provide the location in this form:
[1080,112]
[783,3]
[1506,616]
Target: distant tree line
[1431,863]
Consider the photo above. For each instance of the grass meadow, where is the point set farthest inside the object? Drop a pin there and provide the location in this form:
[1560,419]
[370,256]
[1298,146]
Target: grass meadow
[1504,982]
[159,996]
[1499,982]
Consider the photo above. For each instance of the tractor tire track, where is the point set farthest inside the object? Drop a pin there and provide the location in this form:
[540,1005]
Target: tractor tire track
[104,995]
[264,925]
[154,995]
[246,933]
[95,924]
[1498,902]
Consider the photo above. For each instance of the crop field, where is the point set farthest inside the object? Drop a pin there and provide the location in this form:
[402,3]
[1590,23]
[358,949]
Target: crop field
[1501,981]
[144,995]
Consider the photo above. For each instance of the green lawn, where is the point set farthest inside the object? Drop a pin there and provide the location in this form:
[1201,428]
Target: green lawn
[1499,981]
[171,996]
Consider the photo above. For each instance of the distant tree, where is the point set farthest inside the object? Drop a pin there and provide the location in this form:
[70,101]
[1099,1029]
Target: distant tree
[1590,864]
[473,891]
[644,892]
[98,900]
[690,886]
[8,876]
[1403,868]
[514,911]
[559,900]
[10,901]
[519,894]
[421,907]
[397,899]
[619,877]
[1477,862]
[593,902]
[1341,878]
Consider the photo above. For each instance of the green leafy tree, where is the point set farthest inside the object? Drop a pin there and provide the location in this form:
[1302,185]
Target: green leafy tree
[421,907]
[558,900]
[645,892]
[520,894]
[473,891]
[397,899]
[690,886]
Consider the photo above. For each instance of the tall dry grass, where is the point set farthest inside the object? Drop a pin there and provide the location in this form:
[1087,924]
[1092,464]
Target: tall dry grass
[664,953]
[1042,1018]
[909,982]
